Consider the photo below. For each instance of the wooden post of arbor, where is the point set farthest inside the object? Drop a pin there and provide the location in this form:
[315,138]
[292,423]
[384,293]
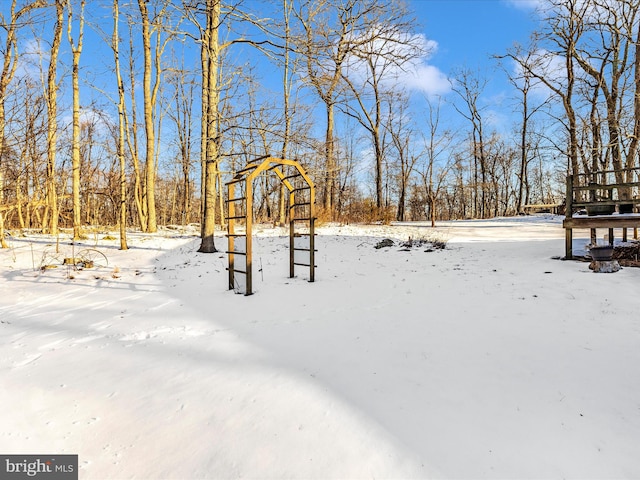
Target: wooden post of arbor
[240,212]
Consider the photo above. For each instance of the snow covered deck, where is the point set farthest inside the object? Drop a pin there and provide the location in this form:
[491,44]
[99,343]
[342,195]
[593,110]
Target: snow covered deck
[593,223]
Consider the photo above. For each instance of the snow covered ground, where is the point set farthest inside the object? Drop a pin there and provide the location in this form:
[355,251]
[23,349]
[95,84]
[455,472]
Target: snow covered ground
[489,359]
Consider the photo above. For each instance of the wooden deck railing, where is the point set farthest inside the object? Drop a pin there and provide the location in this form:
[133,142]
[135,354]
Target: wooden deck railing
[604,199]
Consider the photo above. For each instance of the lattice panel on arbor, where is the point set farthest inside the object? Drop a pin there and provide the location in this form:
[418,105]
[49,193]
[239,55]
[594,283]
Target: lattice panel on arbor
[240,219]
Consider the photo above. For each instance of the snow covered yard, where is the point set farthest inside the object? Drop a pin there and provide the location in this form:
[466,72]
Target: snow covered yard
[488,359]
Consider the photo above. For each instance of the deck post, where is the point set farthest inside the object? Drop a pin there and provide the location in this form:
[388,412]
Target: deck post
[568,213]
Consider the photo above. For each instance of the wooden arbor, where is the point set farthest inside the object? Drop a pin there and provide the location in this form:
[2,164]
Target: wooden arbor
[240,219]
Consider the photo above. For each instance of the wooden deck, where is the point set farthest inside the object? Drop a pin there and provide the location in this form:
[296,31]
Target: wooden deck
[542,208]
[629,220]
[598,189]
[608,222]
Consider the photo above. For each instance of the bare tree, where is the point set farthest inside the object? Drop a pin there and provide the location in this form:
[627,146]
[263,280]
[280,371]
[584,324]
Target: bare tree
[120,148]
[211,54]
[149,94]
[433,169]
[209,57]
[27,141]
[9,65]
[398,126]
[325,47]
[564,28]
[469,87]
[380,53]
[524,82]
[76,50]
[632,152]
[181,113]
[287,80]
[607,63]
[51,214]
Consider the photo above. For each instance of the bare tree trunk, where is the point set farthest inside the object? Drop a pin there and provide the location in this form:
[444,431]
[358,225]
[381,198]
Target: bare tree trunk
[132,142]
[8,70]
[52,114]
[76,51]
[522,177]
[204,65]
[635,138]
[210,54]
[330,163]
[148,120]
[286,93]
[121,128]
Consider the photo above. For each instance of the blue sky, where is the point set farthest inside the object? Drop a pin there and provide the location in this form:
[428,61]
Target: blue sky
[465,33]
[469,32]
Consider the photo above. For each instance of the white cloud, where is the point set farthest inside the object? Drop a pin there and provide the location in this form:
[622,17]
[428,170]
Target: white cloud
[416,73]
[525,4]
[428,79]
[421,75]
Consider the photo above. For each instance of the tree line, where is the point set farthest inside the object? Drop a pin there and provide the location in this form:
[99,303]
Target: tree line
[134,113]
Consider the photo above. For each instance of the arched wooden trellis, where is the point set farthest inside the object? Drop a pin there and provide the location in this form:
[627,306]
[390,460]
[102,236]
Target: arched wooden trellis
[240,212]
